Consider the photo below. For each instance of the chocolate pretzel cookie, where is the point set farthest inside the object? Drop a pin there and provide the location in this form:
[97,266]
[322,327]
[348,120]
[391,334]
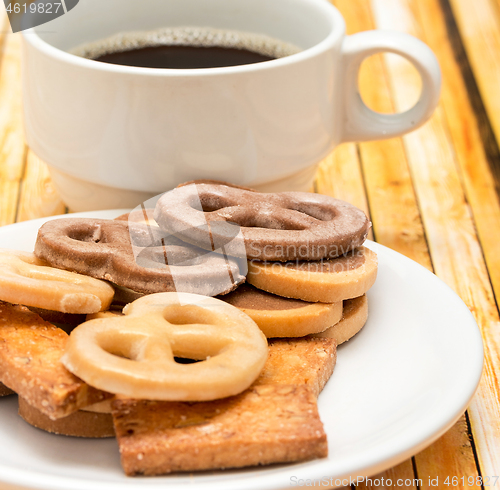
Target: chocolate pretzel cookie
[278,227]
[134,256]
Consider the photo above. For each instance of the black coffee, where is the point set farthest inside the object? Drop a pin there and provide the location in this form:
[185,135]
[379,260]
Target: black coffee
[184,57]
[186,47]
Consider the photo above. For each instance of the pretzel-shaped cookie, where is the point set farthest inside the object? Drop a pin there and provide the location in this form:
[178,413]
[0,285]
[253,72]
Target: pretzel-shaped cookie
[27,280]
[278,227]
[133,355]
[135,256]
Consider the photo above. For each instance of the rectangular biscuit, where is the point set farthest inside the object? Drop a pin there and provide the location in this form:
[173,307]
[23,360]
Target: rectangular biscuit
[275,421]
[299,361]
[30,352]
[265,424]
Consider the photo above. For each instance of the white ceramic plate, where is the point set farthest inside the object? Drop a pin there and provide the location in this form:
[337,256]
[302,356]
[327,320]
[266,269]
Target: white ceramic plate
[398,385]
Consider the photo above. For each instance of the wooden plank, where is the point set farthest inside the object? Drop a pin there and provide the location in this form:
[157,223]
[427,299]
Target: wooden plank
[481,192]
[35,197]
[393,205]
[479,25]
[395,211]
[400,476]
[435,458]
[38,195]
[455,250]
[9,191]
[339,175]
[12,146]
[465,132]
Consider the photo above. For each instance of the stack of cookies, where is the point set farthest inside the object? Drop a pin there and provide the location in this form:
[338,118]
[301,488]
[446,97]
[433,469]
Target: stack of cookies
[307,269]
[319,298]
[306,275]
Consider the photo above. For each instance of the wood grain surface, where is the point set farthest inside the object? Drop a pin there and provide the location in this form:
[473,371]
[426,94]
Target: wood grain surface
[432,195]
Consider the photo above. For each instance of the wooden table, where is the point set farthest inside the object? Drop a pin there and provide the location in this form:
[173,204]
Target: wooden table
[432,195]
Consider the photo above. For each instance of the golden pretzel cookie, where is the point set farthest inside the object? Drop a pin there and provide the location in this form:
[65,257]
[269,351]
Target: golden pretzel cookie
[353,320]
[326,281]
[279,227]
[78,424]
[27,280]
[133,354]
[283,317]
[103,314]
[135,256]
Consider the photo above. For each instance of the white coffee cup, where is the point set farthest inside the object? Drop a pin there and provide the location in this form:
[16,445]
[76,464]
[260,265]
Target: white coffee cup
[115,135]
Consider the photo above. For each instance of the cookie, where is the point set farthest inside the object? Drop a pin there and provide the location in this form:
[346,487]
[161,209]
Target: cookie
[279,227]
[274,421]
[78,424]
[135,256]
[354,317]
[27,280]
[326,281]
[300,361]
[134,354]
[104,314]
[30,353]
[284,317]
[263,425]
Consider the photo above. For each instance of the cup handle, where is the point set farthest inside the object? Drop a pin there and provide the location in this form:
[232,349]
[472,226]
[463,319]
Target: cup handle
[360,122]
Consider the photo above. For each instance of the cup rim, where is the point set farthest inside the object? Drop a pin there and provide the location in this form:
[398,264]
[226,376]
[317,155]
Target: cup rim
[31,37]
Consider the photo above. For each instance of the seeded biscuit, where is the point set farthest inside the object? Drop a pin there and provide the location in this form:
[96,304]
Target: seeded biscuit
[30,352]
[276,420]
